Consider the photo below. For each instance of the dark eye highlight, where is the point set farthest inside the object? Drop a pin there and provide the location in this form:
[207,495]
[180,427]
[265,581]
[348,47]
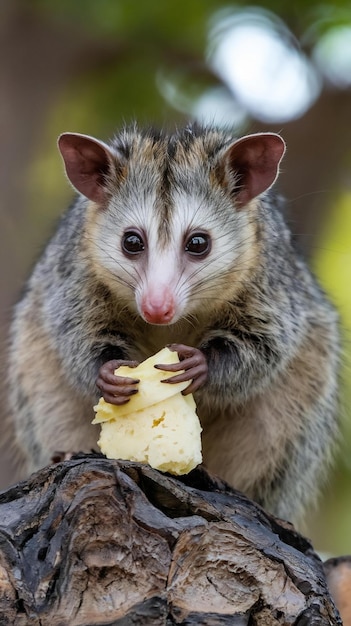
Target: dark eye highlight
[199,244]
[132,243]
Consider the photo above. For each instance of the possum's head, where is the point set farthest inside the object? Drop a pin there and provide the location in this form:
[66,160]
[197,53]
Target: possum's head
[171,220]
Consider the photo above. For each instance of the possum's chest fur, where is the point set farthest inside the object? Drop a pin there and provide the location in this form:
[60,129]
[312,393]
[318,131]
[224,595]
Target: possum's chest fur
[149,339]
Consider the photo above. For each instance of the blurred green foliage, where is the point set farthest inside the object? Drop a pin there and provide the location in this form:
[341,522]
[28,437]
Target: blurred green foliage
[330,526]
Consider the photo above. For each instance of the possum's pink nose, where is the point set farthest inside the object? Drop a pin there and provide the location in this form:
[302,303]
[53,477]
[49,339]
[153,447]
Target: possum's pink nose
[159,307]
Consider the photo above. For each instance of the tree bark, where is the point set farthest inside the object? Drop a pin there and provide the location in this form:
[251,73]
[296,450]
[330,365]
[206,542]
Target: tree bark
[91,541]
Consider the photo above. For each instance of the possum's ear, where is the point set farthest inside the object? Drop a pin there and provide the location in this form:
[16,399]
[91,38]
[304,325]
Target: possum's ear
[252,165]
[87,162]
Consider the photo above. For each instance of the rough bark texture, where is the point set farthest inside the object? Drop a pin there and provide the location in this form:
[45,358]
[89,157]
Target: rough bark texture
[91,541]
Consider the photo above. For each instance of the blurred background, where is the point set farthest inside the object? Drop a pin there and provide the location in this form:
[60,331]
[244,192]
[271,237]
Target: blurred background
[90,66]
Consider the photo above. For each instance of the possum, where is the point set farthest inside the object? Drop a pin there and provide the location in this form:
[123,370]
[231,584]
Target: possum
[178,240]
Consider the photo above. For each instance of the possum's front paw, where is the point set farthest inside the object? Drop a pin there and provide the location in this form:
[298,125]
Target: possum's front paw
[192,366]
[116,389]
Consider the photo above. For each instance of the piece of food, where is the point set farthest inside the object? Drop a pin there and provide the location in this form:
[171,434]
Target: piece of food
[158,425]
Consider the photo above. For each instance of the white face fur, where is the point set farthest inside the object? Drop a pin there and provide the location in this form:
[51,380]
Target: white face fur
[206,243]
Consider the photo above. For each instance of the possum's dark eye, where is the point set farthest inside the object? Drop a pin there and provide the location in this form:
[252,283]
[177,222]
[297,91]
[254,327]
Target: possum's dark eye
[199,244]
[132,243]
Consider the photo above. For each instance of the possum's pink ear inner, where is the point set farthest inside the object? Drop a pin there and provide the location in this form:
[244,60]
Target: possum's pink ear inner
[252,165]
[87,161]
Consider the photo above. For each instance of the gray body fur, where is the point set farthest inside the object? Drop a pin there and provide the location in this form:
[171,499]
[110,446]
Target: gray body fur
[269,407]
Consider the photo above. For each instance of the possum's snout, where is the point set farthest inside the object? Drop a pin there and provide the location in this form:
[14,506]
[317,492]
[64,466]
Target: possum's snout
[158,305]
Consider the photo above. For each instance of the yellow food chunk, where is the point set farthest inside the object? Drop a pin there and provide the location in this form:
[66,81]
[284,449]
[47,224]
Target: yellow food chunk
[150,388]
[158,425]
